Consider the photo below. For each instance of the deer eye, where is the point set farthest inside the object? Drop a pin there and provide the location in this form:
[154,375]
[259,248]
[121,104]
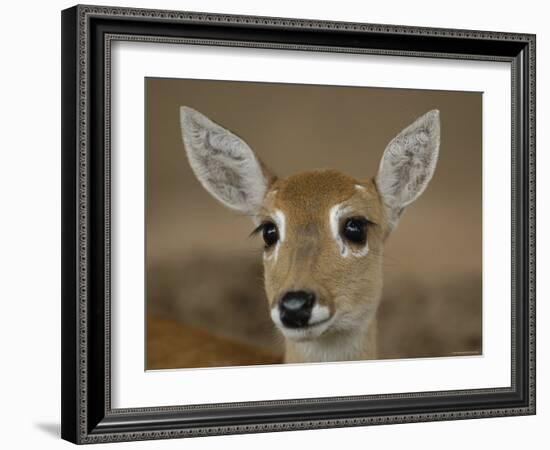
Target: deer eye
[355,230]
[270,234]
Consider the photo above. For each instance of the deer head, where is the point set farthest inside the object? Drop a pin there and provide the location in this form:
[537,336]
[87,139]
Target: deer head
[323,231]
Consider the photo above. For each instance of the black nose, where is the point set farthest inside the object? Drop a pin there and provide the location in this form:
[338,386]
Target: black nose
[295,308]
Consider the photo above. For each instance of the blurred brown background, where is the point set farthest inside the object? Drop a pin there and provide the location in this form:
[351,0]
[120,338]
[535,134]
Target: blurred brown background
[205,299]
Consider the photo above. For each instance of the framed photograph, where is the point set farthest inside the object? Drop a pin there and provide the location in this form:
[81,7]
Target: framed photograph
[280,224]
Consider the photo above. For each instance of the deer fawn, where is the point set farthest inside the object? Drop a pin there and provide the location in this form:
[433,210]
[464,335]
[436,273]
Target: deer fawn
[324,231]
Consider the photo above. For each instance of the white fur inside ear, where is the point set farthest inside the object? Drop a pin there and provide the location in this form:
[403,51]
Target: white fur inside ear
[408,164]
[224,164]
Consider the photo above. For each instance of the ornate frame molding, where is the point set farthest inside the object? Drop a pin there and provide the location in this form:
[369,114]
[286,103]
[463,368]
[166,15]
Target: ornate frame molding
[87,38]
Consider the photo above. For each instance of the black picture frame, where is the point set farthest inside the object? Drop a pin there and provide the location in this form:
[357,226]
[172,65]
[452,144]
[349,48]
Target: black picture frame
[87,415]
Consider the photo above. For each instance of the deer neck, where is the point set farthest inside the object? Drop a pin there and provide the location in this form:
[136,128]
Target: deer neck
[359,344]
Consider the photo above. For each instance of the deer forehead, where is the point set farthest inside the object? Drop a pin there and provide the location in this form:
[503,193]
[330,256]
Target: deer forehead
[313,197]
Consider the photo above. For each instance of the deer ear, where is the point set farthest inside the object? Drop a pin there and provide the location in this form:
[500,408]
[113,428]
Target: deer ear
[408,164]
[224,164]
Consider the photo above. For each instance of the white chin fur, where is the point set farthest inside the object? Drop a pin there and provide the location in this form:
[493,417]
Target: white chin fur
[318,324]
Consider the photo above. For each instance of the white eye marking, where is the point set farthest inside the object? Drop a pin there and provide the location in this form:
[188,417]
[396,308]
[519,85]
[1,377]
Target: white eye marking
[280,220]
[363,251]
[335,214]
[359,187]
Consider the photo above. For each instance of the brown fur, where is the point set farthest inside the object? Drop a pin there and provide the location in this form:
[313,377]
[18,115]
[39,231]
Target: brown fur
[311,254]
[309,258]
